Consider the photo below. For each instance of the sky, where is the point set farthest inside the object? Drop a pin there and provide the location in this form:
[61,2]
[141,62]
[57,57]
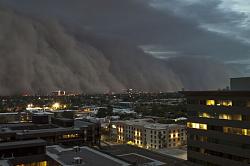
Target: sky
[222,16]
[110,45]
[229,18]
[217,29]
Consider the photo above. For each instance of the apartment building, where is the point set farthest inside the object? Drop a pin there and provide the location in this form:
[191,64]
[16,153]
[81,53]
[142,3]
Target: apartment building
[147,134]
[219,127]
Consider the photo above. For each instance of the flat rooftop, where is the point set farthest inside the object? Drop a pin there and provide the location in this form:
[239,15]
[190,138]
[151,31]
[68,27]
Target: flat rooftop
[136,122]
[89,156]
[20,144]
[160,126]
[221,93]
[43,131]
[30,129]
[148,123]
[140,156]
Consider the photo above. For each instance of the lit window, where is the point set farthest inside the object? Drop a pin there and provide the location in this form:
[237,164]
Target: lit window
[239,131]
[244,131]
[225,116]
[210,102]
[42,163]
[226,103]
[230,117]
[69,136]
[204,115]
[197,126]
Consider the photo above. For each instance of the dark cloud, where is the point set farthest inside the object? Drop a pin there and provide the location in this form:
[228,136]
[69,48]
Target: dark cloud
[92,46]
[42,56]
[200,11]
[136,21]
[224,25]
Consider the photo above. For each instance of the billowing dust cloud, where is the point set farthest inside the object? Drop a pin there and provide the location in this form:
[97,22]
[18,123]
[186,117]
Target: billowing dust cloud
[42,56]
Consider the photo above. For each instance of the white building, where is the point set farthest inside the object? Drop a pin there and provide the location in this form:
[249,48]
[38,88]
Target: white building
[123,111]
[144,133]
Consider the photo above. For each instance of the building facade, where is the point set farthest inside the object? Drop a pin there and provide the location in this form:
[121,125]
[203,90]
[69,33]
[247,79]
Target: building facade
[219,127]
[146,134]
[240,84]
[85,133]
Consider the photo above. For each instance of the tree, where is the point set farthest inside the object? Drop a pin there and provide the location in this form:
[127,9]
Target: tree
[103,112]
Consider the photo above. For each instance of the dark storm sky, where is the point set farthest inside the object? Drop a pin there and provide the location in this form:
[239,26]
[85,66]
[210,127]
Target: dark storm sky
[218,29]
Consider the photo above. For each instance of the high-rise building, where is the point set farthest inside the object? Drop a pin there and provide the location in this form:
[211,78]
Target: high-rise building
[219,127]
[240,84]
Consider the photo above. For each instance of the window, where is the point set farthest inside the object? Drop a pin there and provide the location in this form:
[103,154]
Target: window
[230,117]
[69,136]
[210,102]
[205,115]
[197,126]
[239,131]
[219,102]
[224,103]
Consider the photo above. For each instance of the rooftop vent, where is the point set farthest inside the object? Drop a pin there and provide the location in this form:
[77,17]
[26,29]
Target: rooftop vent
[77,149]
[78,160]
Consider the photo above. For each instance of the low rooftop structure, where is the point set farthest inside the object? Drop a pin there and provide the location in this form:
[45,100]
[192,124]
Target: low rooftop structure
[27,152]
[84,133]
[19,144]
[82,156]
